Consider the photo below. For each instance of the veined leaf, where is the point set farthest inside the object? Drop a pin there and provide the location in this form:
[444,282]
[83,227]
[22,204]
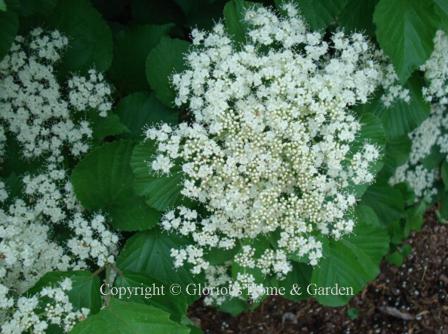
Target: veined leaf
[352,261]
[85,290]
[161,191]
[89,36]
[441,9]
[129,318]
[357,16]
[176,305]
[103,180]
[140,110]
[386,201]
[372,132]
[103,177]
[234,19]
[131,47]
[149,253]
[402,117]
[162,62]
[108,126]
[405,30]
[296,281]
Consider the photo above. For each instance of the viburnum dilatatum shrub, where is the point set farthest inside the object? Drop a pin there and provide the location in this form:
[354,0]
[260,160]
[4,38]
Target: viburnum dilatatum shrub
[156,152]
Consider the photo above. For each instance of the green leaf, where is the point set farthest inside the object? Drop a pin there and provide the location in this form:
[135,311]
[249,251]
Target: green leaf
[357,16]
[444,173]
[406,249]
[406,191]
[397,153]
[441,9]
[234,19]
[9,25]
[140,110]
[387,202]
[90,39]
[395,258]
[148,253]
[161,192]
[108,126]
[371,131]
[401,118]
[299,277]
[2,5]
[352,261]
[415,216]
[319,14]
[162,62]
[155,12]
[37,7]
[103,180]
[193,328]
[111,10]
[201,13]
[397,232]
[405,30]
[129,318]
[442,211]
[156,293]
[353,313]
[217,256]
[133,214]
[234,306]
[85,290]
[131,47]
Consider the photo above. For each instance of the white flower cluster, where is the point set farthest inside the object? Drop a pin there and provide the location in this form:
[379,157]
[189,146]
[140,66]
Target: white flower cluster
[92,240]
[46,229]
[91,92]
[436,71]
[26,247]
[30,316]
[433,132]
[393,91]
[32,105]
[270,146]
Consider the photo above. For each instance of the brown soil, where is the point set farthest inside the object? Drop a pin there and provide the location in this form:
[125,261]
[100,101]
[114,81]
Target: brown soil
[410,299]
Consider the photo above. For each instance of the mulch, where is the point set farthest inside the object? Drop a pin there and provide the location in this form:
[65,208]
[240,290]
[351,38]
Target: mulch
[412,298]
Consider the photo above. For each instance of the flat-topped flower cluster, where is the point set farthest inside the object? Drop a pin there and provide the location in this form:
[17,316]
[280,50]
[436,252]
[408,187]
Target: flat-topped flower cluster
[32,102]
[270,147]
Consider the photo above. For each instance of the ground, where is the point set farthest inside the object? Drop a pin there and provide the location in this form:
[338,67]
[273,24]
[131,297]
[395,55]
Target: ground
[412,298]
